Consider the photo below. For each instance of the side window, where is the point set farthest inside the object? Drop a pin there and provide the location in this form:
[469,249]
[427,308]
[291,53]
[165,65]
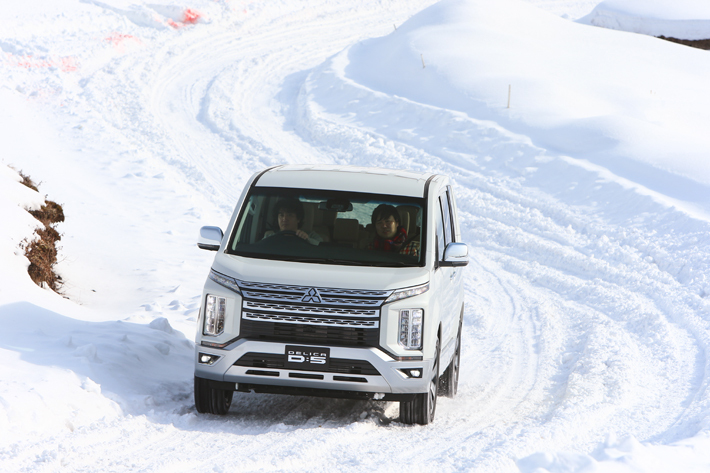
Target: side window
[440,237]
[446,212]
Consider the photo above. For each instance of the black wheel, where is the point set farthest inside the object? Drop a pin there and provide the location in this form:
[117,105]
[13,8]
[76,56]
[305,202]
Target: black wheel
[449,381]
[422,408]
[209,400]
[202,396]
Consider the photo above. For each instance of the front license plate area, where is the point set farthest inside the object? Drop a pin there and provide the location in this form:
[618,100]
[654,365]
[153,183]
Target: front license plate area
[307,358]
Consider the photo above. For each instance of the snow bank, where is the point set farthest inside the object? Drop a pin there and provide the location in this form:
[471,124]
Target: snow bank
[60,373]
[683,19]
[67,373]
[569,88]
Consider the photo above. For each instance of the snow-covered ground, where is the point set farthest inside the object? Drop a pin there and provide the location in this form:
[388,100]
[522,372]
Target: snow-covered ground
[580,156]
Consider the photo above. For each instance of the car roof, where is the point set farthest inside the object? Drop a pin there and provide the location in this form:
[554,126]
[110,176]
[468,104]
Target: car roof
[347,178]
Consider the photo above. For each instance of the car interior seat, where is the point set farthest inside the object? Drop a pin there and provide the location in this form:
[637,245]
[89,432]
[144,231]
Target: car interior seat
[346,231]
[410,214]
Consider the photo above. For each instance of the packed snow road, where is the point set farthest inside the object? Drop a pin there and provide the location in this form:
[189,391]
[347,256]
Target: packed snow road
[587,310]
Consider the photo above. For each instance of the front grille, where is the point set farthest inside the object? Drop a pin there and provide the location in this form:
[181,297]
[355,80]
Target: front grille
[302,314]
[309,334]
[299,319]
[337,365]
[311,309]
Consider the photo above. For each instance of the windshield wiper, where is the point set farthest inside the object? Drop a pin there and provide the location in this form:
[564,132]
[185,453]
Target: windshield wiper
[391,264]
[378,264]
[331,261]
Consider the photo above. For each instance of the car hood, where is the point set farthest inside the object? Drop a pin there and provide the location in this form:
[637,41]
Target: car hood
[318,275]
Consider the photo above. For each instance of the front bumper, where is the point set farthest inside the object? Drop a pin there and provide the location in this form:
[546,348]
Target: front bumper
[384,378]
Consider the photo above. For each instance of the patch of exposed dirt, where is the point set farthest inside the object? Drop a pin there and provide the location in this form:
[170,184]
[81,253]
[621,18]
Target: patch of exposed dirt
[42,251]
[700,43]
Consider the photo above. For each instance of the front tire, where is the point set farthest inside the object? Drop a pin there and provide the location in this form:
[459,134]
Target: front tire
[209,400]
[422,408]
[449,383]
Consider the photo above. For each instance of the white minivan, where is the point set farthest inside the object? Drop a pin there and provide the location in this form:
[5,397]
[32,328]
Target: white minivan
[334,281]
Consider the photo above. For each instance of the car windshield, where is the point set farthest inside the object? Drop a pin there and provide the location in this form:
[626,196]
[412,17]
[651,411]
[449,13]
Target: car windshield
[331,227]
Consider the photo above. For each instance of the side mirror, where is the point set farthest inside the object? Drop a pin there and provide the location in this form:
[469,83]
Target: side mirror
[455,254]
[210,238]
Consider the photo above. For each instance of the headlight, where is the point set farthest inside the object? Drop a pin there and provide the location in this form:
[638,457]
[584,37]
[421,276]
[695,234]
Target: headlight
[411,322]
[407,292]
[215,309]
[226,281]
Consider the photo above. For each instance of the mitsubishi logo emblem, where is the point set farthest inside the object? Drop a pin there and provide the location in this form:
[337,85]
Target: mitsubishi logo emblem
[312,295]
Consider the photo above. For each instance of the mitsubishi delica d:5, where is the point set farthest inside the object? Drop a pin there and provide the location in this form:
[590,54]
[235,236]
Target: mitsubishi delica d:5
[334,281]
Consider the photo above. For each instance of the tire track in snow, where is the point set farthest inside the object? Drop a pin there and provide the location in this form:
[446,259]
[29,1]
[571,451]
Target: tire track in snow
[555,313]
[211,111]
[568,254]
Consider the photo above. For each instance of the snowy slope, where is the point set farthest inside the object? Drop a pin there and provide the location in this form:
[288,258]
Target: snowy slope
[689,19]
[585,206]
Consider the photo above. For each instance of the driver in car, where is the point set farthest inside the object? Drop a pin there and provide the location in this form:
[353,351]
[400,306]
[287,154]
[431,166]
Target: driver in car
[289,215]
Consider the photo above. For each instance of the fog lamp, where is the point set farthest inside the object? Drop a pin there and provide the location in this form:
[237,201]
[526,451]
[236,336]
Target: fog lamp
[207,359]
[412,372]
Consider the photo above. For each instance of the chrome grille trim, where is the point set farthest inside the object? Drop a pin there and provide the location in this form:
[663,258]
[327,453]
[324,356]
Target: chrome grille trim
[305,320]
[325,291]
[309,309]
[296,297]
[273,297]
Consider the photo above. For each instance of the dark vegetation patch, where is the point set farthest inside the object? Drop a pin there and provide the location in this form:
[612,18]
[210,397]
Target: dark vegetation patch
[700,43]
[28,182]
[42,251]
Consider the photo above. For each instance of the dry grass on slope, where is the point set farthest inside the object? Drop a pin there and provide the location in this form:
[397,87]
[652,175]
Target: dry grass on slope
[42,251]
